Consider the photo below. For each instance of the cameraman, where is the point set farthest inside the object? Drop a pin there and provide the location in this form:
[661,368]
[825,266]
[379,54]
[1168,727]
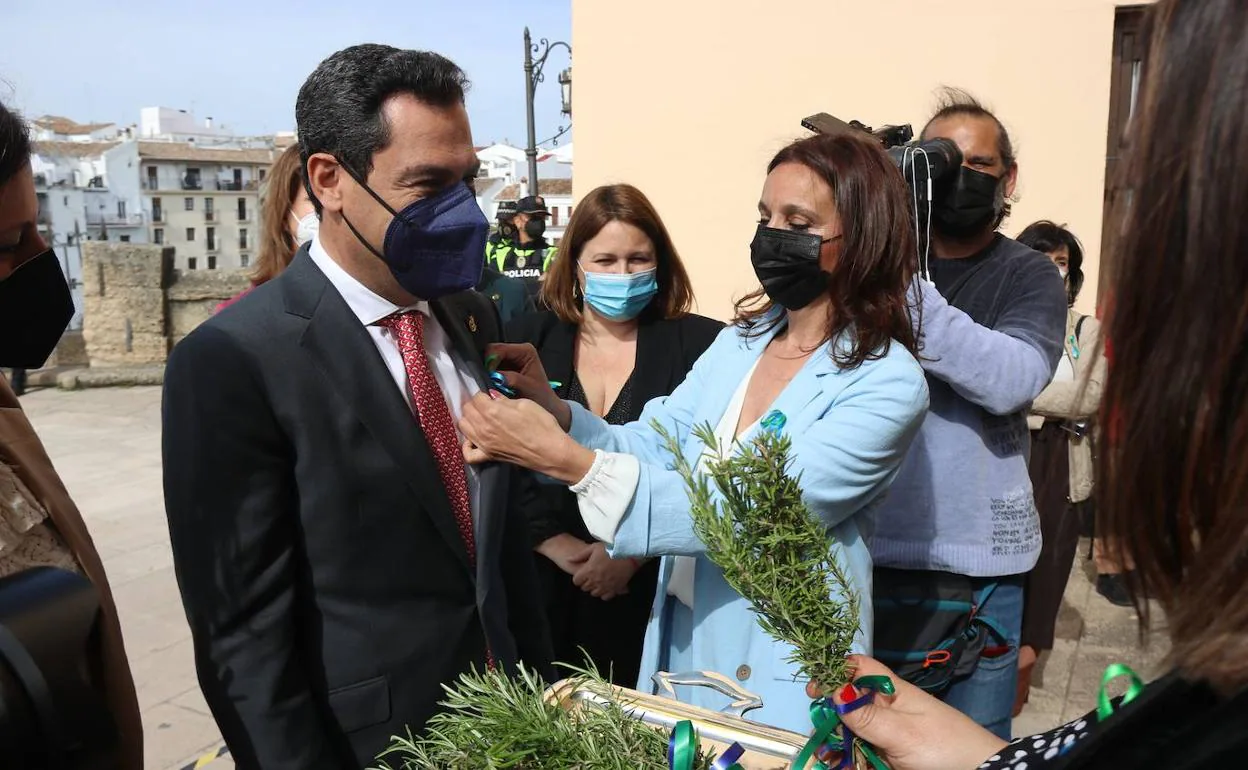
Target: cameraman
[39,524]
[959,522]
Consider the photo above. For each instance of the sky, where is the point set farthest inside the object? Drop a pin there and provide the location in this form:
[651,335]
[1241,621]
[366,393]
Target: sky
[242,62]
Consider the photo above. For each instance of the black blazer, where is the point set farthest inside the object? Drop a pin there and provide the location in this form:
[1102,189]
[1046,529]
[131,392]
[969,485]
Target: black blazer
[666,350]
[328,590]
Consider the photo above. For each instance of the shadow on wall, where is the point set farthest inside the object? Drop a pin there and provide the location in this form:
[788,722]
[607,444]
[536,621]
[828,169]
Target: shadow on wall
[136,307]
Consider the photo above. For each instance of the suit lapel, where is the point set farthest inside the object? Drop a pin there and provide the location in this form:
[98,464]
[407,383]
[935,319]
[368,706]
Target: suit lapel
[658,359]
[345,352]
[466,335]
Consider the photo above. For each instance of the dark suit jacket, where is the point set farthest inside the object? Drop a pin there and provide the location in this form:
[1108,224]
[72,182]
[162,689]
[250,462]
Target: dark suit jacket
[666,350]
[327,587]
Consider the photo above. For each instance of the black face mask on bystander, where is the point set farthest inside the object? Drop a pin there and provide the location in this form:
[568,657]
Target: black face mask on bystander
[35,307]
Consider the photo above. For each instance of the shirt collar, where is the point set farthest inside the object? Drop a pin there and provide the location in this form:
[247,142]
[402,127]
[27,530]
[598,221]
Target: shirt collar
[367,305]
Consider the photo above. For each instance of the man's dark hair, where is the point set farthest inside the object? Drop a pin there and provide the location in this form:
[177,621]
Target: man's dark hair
[954,102]
[14,144]
[339,106]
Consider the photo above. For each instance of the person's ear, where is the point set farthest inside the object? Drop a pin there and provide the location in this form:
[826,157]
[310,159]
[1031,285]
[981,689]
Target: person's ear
[1011,180]
[328,180]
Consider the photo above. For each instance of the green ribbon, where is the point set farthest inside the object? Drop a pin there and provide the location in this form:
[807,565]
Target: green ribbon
[1105,706]
[682,747]
[826,719]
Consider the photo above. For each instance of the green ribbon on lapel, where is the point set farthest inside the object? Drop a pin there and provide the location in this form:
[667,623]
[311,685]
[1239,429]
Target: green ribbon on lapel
[1105,706]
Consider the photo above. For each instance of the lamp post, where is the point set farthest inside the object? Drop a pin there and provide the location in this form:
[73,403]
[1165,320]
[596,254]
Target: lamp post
[532,76]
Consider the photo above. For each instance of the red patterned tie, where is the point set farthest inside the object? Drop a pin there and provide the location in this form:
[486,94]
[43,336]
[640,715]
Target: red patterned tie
[435,418]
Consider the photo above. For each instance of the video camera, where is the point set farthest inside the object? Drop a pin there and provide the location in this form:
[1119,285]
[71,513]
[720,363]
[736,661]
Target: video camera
[922,164]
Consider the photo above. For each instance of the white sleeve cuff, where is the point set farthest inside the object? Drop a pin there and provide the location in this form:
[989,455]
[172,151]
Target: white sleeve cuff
[605,493]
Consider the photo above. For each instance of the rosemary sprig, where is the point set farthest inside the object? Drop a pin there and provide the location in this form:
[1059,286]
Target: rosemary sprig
[771,548]
[492,721]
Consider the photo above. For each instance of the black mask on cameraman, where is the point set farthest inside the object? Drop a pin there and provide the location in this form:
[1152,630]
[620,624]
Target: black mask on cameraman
[535,227]
[35,307]
[787,265]
[970,203]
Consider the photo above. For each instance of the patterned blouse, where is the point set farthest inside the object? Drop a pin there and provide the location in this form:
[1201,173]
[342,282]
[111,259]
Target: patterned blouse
[27,538]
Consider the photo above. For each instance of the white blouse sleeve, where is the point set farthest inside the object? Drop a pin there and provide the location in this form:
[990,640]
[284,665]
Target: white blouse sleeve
[606,492]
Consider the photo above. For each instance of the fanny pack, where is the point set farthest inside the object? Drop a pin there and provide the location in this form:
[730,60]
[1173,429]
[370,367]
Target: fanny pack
[928,627]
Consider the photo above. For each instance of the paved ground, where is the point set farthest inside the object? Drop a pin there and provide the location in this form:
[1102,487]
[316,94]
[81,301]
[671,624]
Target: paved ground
[106,445]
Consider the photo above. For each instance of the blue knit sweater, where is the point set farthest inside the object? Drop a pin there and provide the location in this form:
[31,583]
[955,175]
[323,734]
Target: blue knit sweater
[992,333]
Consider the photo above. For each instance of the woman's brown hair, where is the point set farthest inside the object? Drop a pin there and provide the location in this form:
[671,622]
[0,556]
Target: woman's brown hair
[603,205]
[277,245]
[870,285]
[1173,470]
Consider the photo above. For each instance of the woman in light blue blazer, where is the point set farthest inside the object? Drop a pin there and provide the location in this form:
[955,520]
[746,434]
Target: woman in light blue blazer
[824,349]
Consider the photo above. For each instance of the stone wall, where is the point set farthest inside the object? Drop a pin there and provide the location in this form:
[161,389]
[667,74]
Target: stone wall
[124,321]
[194,295]
[136,306]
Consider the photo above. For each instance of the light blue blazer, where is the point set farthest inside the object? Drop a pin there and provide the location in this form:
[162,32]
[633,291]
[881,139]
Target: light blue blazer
[850,431]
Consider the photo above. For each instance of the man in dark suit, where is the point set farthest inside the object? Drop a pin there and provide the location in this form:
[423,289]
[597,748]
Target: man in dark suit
[338,561]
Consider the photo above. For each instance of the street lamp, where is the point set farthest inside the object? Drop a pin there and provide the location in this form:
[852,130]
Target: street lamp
[532,76]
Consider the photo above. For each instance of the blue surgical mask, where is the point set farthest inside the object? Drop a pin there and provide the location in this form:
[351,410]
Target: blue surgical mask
[620,296]
[433,247]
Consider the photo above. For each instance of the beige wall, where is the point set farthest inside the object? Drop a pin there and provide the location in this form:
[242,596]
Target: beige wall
[689,100]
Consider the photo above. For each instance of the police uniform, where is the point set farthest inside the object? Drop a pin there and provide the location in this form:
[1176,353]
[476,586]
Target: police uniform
[526,261]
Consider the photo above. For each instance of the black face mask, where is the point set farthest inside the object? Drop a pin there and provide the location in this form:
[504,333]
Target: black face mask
[35,307]
[535,227]
[787,265]
[971,203]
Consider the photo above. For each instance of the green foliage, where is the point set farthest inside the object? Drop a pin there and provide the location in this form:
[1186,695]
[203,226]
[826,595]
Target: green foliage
[772,549]
[492,721]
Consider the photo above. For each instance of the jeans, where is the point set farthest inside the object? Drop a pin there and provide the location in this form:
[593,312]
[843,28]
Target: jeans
[987,695]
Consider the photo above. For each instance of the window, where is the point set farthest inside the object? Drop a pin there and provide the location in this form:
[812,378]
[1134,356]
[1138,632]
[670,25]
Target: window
[158,213]
[190,235]
[244,260]
[209,209]
[190,263]
[212,263]
[158,236]
[212,238]
[262,174]
[190,203]
[151,178]
[242,209]
[125,239]
[121,210]
[554,216]
[242,238]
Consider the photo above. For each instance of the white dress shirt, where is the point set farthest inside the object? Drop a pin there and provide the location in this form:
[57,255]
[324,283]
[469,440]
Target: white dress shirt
[453,378]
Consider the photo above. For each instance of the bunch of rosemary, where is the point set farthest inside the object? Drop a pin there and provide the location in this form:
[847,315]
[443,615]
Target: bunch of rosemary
[492,721]
[771,548]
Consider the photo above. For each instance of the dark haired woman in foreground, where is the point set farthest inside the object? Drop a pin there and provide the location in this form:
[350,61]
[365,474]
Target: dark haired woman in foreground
[1173,466]
[822,351]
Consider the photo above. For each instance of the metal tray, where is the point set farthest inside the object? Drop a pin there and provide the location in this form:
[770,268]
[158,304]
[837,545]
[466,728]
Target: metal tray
[766,748]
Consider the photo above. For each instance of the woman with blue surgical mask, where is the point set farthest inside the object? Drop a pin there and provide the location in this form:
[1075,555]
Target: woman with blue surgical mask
[616,333]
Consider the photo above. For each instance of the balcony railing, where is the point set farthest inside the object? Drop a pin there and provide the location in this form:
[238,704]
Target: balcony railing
[242,243]
[192,183]
[210,216]
[212,247]
[151,183]
[228,185]
[158,215]
[114,220]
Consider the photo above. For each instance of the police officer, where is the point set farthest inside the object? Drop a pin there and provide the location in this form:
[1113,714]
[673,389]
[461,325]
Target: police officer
[530,256]
[503,239]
